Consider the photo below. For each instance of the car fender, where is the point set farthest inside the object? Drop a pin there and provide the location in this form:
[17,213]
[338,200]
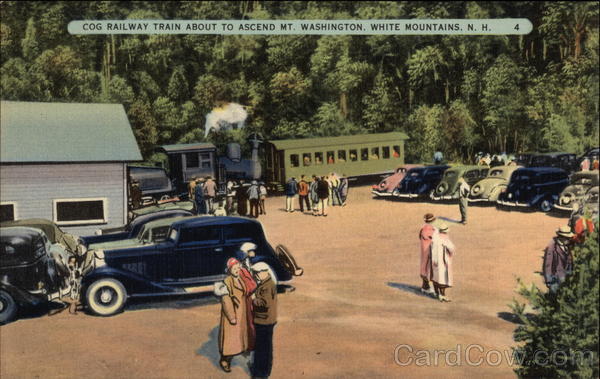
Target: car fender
[134,284]
[20,296]
[537,199]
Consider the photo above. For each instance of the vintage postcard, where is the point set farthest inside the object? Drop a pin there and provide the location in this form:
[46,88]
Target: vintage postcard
[319,189]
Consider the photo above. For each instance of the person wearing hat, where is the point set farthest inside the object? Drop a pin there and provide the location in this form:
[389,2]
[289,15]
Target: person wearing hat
[265,318]
[442,252]
[463,199]
[291,190]
[254,198]
[262,190]
[246,254]
[199,197]
[210,192]
[136,194]
[425,236]
[192,187]
[236,334]
[558,259]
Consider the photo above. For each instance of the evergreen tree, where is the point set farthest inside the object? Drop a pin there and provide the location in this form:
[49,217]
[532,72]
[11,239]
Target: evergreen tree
[561,338]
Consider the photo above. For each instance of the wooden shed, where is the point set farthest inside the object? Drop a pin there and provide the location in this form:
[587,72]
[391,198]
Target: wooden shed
[66,162]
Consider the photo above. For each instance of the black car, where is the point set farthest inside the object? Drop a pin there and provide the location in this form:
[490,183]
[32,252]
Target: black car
[132,229]
[565,161]
[420,181]
[28,273]
[534,187]
[189,261]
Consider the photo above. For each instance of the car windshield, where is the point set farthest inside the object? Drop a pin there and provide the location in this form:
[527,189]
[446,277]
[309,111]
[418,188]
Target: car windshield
[495,173]
[415,173]
[450,174]
[521,179]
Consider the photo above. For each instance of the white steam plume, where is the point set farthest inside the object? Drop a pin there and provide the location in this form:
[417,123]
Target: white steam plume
[227,117]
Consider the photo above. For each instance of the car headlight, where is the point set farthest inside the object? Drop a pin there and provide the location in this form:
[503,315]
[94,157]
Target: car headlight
[510,195]
[566,200]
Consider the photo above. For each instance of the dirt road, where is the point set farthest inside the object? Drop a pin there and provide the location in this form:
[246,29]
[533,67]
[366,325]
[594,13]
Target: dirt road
[356,312]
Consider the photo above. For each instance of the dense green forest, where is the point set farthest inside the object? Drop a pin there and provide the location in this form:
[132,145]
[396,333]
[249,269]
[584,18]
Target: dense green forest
[459,94]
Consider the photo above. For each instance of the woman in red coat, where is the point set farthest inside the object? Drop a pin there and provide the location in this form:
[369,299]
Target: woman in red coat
[425,236]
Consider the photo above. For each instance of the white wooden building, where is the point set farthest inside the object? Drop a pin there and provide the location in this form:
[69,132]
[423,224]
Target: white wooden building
[66,162]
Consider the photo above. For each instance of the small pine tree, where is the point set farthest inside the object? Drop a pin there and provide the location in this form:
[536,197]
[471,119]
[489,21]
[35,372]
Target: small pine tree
[29,43]
[561,338]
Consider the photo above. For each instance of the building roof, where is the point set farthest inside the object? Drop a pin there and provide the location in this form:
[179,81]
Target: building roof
[338,141]
[65,132]
[183,147]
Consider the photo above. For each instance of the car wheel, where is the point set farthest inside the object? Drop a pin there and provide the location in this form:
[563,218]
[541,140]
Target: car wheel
[8,307]
[287,260]
[545,206]
[105,297]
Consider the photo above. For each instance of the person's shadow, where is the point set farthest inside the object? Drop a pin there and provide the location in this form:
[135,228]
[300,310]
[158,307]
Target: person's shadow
[210,350]
[410,288]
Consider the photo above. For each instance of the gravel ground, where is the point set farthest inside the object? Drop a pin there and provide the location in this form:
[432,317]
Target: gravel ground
[356,312]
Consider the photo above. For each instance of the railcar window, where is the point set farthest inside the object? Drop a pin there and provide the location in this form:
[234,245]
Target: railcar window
[318,158]
[341,155]
[364,154]
[205,160]
[396,153]
[330,157]
[353,155]
[307,159]
[385,152]
[375,153]
[192,160]
[294,160]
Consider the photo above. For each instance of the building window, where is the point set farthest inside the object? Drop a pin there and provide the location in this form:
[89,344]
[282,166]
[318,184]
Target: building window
[375,153]
[294,160]
[364,154]
[353,155]
[191,160]
[341,155]
[386,152]
[80,211]
[205,160]
[7,212]
[396,153]
[330,157]
[306,158]
[318,158]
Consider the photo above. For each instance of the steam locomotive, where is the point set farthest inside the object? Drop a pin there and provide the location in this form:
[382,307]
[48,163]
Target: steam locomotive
[186,161]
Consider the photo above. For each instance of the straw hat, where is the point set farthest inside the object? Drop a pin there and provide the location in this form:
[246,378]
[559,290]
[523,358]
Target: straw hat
[443,227]
[429,217]
[565,231]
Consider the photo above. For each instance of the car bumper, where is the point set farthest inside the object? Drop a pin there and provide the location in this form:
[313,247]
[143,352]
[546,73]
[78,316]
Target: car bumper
[405,195]
[479,200]
[563,208]
[444,197]
[512,204]
[381,194]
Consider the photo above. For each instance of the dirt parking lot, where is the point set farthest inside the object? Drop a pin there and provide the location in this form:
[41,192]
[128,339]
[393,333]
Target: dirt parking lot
[356,312]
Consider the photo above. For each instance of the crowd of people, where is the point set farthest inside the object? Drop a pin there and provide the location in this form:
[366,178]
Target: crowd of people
[315,195]
[241,198]
[248,297]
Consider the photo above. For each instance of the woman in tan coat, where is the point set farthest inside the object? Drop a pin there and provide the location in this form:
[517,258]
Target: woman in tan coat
[235,333]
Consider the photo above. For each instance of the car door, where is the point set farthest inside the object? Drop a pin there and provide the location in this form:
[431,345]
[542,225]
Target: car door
[199,248]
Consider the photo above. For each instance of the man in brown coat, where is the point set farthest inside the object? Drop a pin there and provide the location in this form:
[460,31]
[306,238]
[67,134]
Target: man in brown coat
[265,318]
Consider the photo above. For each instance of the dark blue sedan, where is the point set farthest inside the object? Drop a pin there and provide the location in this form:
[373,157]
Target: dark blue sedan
[420,181]
[534,187]
[189,261]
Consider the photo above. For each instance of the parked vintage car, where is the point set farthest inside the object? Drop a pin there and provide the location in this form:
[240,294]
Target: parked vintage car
[489,188]
[51,230]
[535,187]
[581,182]
[420,181]
[151,232]
[28,273]
[132,229]
[386,187]
[565,161]
[190,260]
[447,189]
[181,205]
